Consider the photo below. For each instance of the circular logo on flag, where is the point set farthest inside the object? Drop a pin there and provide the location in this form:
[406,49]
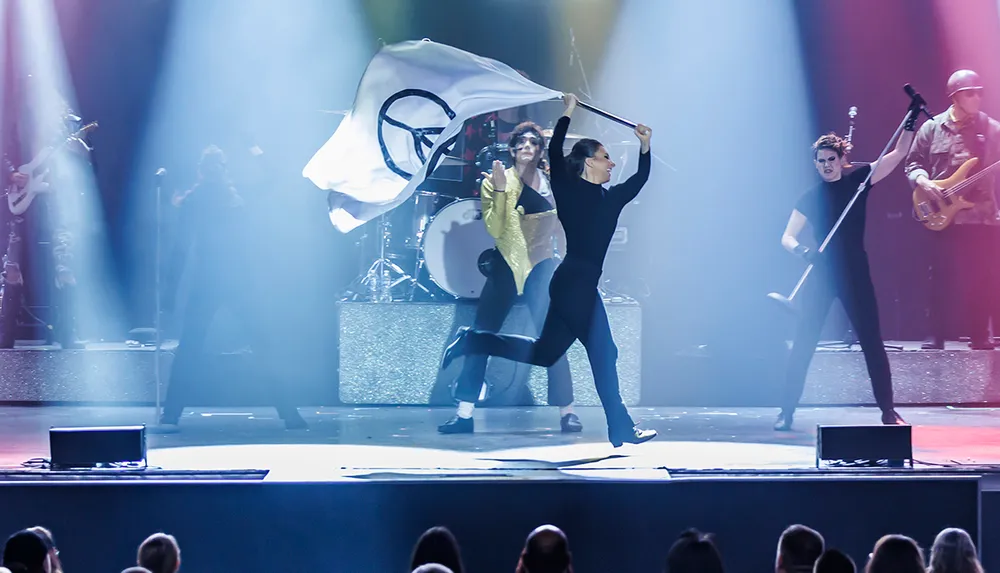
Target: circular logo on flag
[418,134]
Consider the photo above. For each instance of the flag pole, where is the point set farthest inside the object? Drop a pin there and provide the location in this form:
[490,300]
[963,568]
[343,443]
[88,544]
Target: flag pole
[606,115]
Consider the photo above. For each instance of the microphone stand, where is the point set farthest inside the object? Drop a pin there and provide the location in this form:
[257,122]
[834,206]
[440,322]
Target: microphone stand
[787,302]
[157,290]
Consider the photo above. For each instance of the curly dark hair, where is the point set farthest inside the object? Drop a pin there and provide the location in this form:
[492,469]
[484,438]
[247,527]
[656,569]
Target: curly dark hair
[520,131]
[834,143]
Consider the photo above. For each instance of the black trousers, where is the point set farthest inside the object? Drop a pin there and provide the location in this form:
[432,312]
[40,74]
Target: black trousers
[852,284]
[963,280]
[201,308]
[498,297]
[576,312]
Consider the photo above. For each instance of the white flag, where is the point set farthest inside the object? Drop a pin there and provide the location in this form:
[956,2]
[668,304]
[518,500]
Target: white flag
[411,104]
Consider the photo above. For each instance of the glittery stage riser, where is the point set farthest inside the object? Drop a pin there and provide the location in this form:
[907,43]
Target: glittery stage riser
[919,377]
[95,375]
[391,353]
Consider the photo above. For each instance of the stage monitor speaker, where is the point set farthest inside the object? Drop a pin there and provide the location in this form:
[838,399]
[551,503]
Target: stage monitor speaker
[865,445]
[101,446]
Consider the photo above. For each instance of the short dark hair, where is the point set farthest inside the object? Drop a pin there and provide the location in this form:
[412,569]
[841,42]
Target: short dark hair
[834,561]
[834,143]
[694,552]
[159,553]
[437,545]
[896,554]
[25,550]
[799,547]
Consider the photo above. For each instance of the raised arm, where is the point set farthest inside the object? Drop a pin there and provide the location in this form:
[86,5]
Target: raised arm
[493,196]
[557,161]
[890,160]
[628,189]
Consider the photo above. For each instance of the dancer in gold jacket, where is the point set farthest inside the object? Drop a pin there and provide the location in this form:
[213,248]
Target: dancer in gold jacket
[519,212]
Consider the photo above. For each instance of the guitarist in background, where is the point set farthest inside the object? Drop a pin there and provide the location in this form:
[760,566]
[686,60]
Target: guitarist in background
[26,131]
[963,255]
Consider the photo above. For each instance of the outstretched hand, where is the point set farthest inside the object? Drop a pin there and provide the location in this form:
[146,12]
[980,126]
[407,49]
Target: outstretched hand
[644,134]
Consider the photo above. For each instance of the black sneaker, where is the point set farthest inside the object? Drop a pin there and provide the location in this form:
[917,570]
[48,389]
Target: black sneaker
[458,425]
[570,423]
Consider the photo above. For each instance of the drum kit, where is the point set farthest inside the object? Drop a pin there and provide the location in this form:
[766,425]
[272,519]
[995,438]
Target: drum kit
[433,247]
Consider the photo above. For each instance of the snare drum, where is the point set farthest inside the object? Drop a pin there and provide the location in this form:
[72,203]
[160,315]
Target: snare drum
[453,245]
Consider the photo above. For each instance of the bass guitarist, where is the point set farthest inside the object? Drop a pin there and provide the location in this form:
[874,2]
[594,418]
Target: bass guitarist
[963,255]
[27,131]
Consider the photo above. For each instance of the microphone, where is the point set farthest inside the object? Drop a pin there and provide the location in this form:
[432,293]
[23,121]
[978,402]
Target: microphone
[852,112]
[918,100]
[161,172]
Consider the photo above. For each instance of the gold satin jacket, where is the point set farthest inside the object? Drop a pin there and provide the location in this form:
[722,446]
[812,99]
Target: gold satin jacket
[523,240]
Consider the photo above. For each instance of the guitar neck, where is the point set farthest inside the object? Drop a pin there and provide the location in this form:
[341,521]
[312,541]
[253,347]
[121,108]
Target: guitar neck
[974,179]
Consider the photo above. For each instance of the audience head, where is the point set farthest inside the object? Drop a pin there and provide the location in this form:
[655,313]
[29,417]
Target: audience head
[437,546]
[798,549]
[954,552]
[834,561]
[546,551]
[25,552]
[694,552]
[50,543]
[160,554]
[896,554]
[432,568]
[137,570]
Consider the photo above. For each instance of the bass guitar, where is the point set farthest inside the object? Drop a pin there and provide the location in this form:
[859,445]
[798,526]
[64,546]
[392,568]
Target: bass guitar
[20,198]
[937,214]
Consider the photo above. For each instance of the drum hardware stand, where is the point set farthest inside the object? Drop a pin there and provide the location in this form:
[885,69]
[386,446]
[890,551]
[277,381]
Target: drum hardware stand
[384,275]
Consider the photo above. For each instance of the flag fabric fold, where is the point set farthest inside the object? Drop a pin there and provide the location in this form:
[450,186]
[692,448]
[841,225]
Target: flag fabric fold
[411,104]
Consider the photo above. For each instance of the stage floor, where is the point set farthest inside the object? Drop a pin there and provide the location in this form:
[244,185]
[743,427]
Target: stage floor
[524,443]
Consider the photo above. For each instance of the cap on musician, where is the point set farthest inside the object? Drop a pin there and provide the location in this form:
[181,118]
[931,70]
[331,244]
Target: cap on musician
[966,90]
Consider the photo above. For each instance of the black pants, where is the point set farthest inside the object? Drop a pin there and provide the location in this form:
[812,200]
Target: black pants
[201,308]
[963,280]
[576,312]
[852,284]
[495,302]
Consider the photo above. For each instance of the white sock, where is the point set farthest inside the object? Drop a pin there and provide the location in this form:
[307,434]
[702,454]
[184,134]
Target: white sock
[565,411]
[465,409]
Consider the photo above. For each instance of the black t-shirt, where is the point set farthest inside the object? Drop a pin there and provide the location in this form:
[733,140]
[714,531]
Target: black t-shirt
[822,206]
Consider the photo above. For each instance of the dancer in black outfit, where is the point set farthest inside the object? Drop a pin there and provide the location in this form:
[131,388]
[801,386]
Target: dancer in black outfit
[841,270]
[212,223]
[589,214]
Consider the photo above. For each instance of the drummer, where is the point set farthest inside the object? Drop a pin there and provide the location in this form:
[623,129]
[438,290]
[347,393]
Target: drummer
[519,212]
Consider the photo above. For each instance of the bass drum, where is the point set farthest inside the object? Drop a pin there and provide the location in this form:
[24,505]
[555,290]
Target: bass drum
[456,247]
